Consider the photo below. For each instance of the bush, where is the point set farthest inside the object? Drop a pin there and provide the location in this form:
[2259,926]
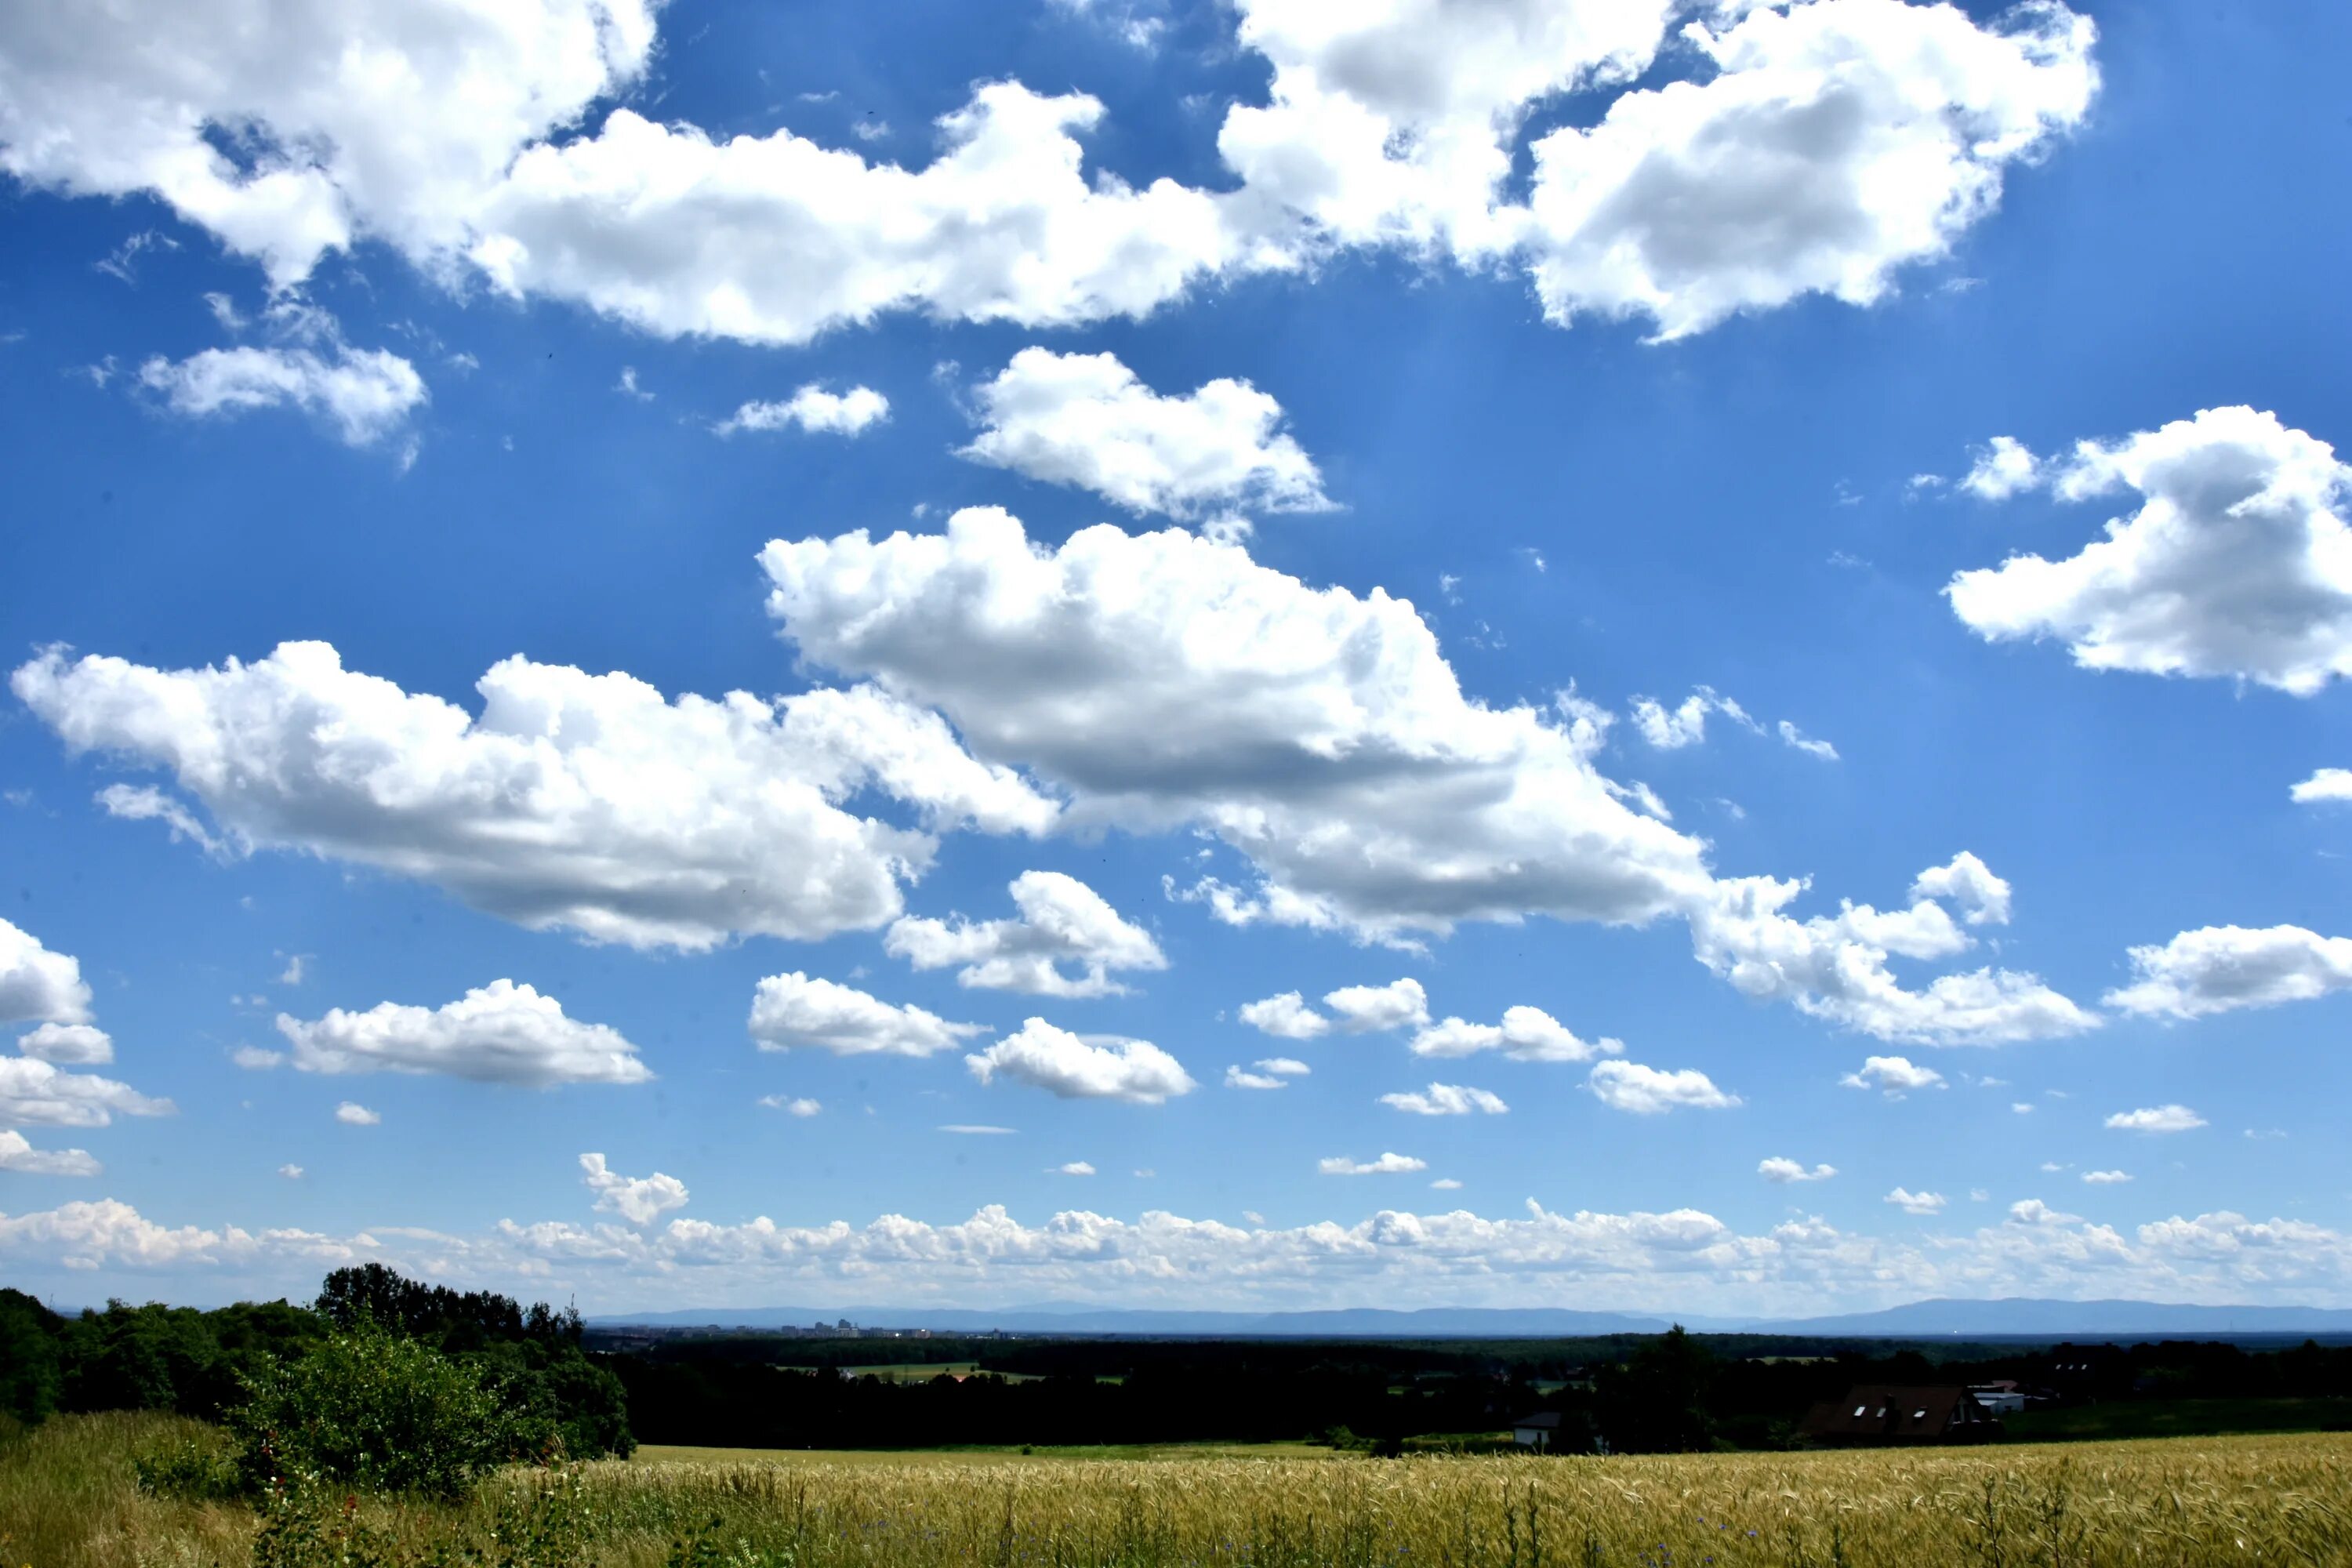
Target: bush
[368,1410]
[189,1469]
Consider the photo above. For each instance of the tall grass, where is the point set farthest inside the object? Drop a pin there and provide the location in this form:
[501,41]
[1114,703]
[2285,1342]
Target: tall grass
[66,1498]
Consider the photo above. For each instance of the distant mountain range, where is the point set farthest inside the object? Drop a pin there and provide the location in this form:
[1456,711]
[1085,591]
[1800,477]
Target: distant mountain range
[2016,1316]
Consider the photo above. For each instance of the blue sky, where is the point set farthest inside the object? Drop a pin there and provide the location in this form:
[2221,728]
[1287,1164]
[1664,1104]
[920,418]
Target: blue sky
[1436,453]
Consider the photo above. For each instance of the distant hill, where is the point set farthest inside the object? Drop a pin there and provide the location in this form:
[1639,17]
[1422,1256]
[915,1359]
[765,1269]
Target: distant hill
[2017,1316]
[1357,1322]
[2041,1319]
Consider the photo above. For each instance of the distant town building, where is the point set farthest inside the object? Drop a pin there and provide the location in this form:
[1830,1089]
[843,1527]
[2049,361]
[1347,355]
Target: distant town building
[1879,1414]
[1539,1431]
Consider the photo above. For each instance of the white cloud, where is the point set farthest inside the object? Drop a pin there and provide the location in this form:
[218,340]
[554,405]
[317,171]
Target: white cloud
[1285,1018]
[2004,469]
[800,1107]
[1445,1184]
[1969,885]
[18,1155]
[2106,1178]
[1055,1061]
[292,974]
[365,393]
[1447,1099]
[1386,1165]
[969,1130]
[37,984]
[1671,728]
[2216,969]
[350,1114]
[2237,562]
[1783,1170]
[1525,1035]
[1167,678]
[1074,1168]
[1835,967]
[1236,1078]
[815,410]
[291,1172]
[1288,1066]
[1368,1009]
[2157,1119]
[627,385]
[498,1033]
[145,803]
[1061,921]
[1897,1076]
[37,1093]
[1651,1091]
[1915,1203]
[68,1045]
[255,1058]
[640,1200]
[2326,785]
[2021,1107]
[576,801]
[1086,420]
[1792,736]
[797,1010]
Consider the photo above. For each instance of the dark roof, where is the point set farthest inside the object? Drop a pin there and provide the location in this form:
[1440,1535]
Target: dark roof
[1543,1420]
[1888,1413]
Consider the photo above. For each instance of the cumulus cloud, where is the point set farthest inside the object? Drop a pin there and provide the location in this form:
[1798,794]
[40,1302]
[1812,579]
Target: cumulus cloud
[802,1107]
[1915,1203]
[1784,1171]
[1285,1018]
[2326,785]
[68,1045]
[813,409]
[640,1200]
[2218,968]
[498,1033]
[1086,420]
[2157,1119]
[2002,468]
[365,394]
[37,1093]
[798,1010]
[1447,1099]
[1896,1076]
[37,984]
[18,1155]
[1055,1061]
[1368,1009]
[572,801]
[2237,561]
[1269,1072]
[1651,1091]
[1061,921]
[1792,736]
[145,803]
[1073,1168]
[2106,1178]
[351,1113]
[1525,1035]
[1671,728]
[1969,885]
[1386,1165]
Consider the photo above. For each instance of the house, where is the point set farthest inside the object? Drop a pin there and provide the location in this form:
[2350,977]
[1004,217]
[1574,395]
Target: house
[1539,1431]
[2002,1398]
[1877,1414]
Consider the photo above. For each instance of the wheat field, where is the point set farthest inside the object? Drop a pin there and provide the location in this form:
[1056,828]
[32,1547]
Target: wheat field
[68,1499]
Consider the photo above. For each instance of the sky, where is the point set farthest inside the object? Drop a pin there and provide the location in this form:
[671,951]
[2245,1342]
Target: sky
[1638,654]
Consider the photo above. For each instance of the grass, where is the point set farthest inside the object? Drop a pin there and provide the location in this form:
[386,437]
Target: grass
[665,1454]
[67,1501]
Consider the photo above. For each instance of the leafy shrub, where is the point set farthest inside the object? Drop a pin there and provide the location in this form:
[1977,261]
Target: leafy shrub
[188,1469]
[371,1411]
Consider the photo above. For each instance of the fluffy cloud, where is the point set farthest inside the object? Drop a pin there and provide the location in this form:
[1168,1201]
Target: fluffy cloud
[1915,1203]
[2157,1119]
[2106,1178]
[365,393]
[1832,143]
[1784,1171]
[1792,736]
[18,1154]
[2004,469]
[351,1113]
[1086,420]
[1835,966]
[1061,921]
[1525,1035]
[2237,561]
[797,1010]
[1448,1099]
[37,984]
[145,803]
[1386,1165]
[1651,1091]
[2216,969]
[1897,1076]
[1073,1168]
[1968,884]
[815,410]
[1271,1072]
[1367,1010]
[1055,1061]
[640,1200]
[1285,1018]
[36,1093]
[572,801]
[1168,678]
[802,1107]
[498,1033]
[1671,728]
[68,1045]
[2326,785]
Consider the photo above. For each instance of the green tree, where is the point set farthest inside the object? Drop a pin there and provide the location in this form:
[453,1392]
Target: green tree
[30,1375]
[1657,1402]
[374,1411]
